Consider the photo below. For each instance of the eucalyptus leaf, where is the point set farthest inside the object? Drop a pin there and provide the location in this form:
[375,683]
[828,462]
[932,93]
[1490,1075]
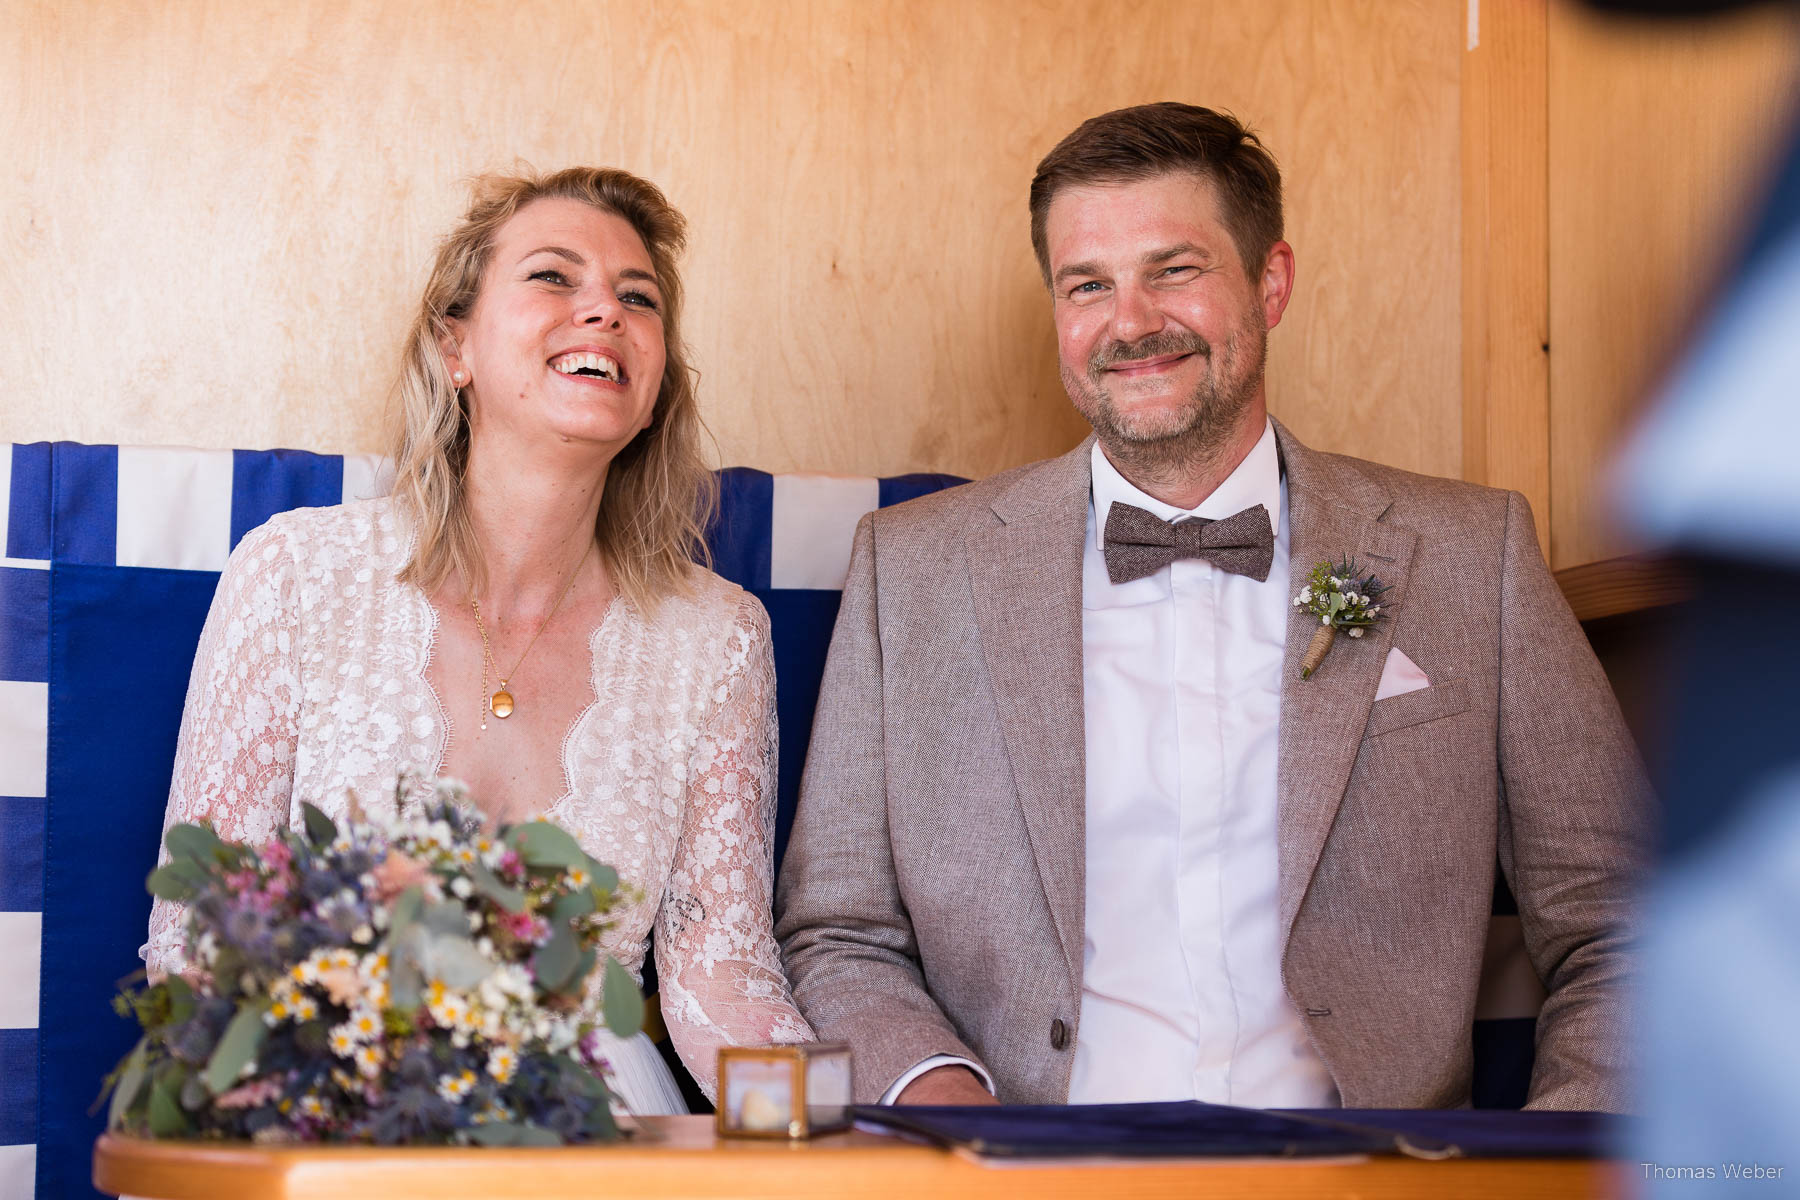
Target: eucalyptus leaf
[583,968]
[243,1038]
[501,1133]
[556,960]
[193,842]
[406,911]
[321,830]
[174,881]
[181,999]
[455,960]
[605,878]
[620,1000]
[446,917]
[131,1082]
[166,1117]
[574,904]
[509,898]
[542,844]
[406,979]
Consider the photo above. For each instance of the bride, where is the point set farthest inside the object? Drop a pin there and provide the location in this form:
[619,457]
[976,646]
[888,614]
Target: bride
[523,613]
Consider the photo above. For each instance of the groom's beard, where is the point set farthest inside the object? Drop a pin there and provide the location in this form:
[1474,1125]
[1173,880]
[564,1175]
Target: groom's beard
[1169,442]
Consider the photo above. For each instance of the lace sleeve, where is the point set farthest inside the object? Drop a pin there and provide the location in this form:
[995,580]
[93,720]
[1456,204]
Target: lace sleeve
[235,758]
[717,960]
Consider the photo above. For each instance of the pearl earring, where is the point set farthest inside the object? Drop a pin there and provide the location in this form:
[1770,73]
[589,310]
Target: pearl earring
[460,377]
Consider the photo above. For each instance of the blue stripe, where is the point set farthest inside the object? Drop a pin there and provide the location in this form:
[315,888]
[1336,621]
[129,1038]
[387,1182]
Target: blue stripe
[25,624]
[18,1087]
[28,527]
[265,482]
[739,534]
[800,624]
[84,484]
[22,853]
[898,489]
[122,649]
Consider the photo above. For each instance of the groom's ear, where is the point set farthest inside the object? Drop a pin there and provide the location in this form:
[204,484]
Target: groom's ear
[1276,284]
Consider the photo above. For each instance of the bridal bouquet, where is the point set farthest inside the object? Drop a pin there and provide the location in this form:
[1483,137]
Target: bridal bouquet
[410,980]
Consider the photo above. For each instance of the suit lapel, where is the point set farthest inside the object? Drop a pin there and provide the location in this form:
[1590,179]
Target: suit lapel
[1333,510]
[1025,574]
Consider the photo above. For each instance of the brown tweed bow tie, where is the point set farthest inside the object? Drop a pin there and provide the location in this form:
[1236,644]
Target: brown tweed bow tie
[1140,543]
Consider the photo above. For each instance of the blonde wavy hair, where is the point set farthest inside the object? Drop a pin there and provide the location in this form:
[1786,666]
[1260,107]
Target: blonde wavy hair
[659,493]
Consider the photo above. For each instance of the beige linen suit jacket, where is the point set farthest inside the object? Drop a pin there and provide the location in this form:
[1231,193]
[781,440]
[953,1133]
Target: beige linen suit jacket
[932,897]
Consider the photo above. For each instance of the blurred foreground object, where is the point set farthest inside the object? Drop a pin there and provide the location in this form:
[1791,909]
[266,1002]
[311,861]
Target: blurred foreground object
[1713,476]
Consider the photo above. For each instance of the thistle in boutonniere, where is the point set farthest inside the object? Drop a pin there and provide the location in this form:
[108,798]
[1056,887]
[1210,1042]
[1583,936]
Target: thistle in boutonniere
[1341,600]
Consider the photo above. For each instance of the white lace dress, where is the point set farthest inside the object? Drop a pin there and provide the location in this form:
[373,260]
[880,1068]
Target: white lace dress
[310,681]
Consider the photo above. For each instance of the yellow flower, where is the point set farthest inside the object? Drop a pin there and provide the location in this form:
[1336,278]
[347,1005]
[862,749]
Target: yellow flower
[502,1062]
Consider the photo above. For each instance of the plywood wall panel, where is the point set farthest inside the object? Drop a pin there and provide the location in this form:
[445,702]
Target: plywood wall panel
[1660,136]
[217,214]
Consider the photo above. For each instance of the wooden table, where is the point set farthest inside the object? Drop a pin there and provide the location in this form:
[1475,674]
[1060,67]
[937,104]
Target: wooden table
[680,1157]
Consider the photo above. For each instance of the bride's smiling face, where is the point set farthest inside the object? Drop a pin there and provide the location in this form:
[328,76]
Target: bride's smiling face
[566,334]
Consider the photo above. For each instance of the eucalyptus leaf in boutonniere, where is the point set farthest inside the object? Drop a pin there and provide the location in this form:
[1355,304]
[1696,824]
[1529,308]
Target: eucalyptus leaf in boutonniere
[1341,600]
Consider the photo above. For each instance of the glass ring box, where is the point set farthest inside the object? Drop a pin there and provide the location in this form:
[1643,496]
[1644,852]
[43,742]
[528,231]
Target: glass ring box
[783,1091]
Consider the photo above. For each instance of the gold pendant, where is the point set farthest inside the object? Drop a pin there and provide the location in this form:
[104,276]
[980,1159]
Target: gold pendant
[501,703]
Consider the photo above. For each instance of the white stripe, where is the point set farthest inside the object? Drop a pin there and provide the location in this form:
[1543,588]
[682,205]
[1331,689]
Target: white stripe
[174,508]
[18,1172]
[26,564]
[367,476]
[24,737]
[1509,983]
[812,526]
[21,943]
[6,457]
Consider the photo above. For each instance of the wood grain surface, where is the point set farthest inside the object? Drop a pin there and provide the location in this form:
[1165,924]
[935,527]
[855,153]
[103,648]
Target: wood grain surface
[217,214]
[682,1158]
[1506,256]
[1661,135]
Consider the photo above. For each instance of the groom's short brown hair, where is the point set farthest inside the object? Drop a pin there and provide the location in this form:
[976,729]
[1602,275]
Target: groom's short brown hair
[1129,144]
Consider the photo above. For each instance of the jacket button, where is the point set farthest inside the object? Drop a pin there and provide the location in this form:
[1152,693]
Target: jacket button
[1059,1034]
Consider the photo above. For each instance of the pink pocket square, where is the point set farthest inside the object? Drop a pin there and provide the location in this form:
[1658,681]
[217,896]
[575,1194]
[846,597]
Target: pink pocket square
[1400,675]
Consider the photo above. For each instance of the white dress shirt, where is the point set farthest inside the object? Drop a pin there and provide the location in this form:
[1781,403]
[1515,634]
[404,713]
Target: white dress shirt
[1181,993]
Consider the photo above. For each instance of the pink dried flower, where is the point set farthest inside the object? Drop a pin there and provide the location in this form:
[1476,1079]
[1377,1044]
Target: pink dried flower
[396,873]
[525,927]
[250,1095]
[342,984]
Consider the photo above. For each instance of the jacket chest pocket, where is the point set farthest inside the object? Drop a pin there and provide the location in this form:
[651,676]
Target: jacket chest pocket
[1415,708]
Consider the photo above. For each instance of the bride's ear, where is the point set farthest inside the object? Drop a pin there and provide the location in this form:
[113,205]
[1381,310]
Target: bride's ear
[450,348]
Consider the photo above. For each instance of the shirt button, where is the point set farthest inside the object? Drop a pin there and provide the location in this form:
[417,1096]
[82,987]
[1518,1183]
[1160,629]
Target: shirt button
[1059,1034]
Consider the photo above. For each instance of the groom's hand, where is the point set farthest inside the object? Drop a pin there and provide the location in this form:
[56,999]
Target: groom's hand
[948,1084]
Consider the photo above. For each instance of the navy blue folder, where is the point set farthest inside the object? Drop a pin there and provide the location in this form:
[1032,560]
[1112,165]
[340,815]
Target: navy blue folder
[1190,1129]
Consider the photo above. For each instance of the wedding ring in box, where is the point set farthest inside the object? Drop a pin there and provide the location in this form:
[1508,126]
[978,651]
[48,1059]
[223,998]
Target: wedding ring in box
[783,1091]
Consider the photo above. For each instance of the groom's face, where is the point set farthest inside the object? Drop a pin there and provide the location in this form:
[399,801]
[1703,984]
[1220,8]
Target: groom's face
[1160,330]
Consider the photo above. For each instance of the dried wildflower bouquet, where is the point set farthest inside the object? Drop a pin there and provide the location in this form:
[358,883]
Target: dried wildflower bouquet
[404,981]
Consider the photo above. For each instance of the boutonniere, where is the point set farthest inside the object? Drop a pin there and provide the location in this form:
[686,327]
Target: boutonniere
[1335,595]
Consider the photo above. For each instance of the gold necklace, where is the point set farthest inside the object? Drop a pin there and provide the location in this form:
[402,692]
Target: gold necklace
[500,703]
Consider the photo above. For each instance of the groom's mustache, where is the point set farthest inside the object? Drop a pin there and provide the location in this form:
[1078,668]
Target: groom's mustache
[1155,345]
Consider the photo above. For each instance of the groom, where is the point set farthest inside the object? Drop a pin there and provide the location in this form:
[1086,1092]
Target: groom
[1073,827]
